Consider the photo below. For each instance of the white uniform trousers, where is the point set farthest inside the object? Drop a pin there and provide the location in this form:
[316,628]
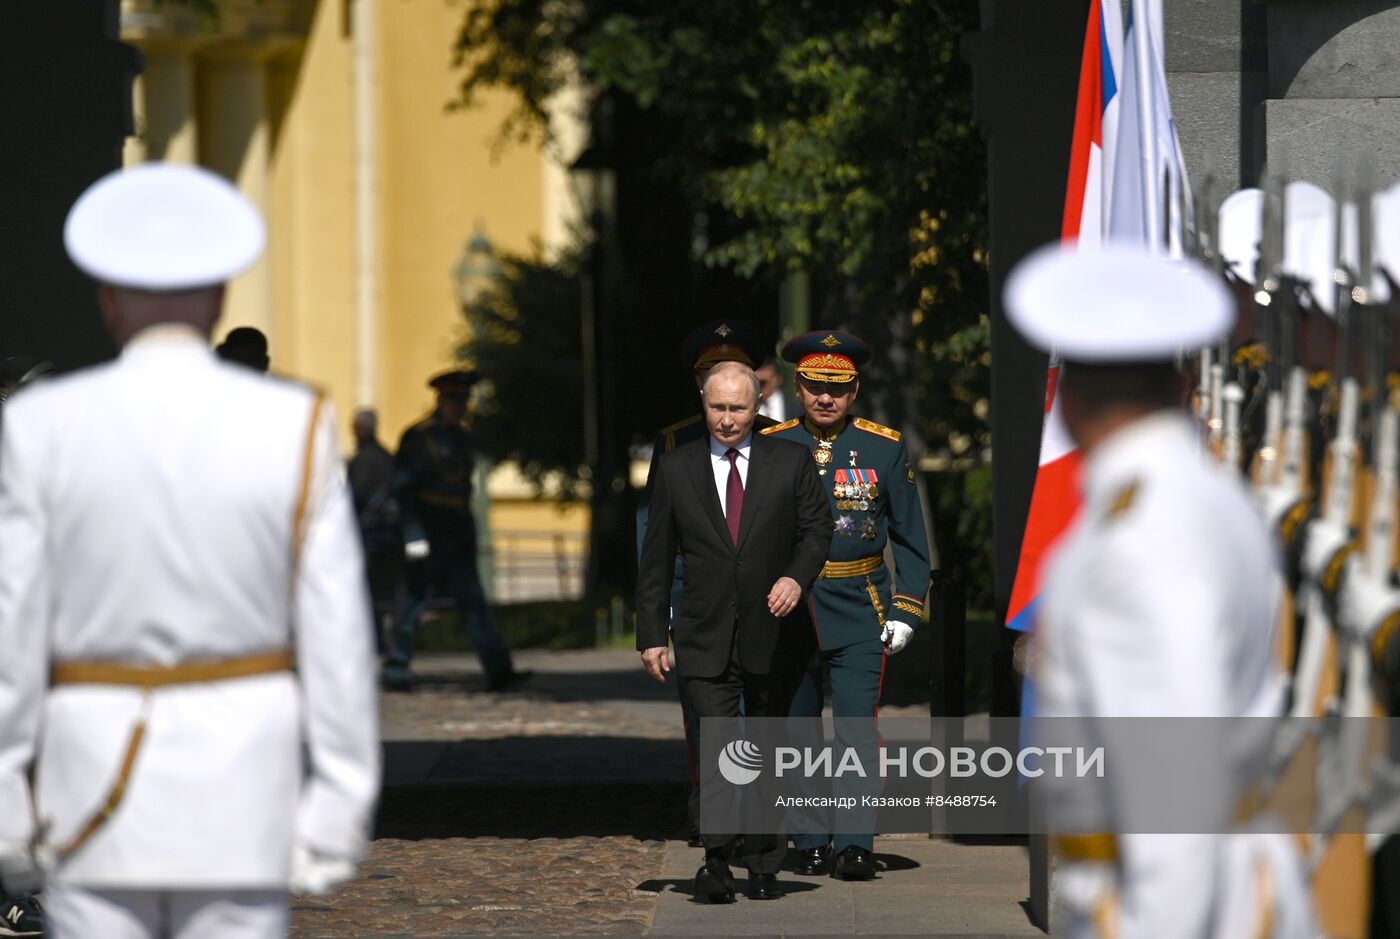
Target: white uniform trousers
[80,913]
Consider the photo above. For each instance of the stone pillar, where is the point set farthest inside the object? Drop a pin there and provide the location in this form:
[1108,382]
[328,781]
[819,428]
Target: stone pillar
[234,141]
[167,103]
[1334,87]
[1217,75]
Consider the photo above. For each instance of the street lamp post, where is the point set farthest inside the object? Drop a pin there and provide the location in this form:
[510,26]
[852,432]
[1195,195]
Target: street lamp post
[475,272]
[595,187]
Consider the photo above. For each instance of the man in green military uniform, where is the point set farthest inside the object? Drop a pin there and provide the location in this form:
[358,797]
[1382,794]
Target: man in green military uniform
[433,486]
[860,611]
[704,347]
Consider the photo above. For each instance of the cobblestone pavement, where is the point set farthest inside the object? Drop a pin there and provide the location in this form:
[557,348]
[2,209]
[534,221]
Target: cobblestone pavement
[540,811]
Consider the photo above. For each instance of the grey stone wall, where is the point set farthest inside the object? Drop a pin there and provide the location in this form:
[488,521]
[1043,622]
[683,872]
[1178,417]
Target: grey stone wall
[1217,76]
[1297,84]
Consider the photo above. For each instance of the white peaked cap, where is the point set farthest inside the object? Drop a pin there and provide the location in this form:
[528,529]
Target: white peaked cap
[1242,220]
[163,226]
[1315,262]
[1116,304]
[1240,224]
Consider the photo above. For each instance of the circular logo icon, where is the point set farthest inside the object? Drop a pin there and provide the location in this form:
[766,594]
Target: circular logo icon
[740,762]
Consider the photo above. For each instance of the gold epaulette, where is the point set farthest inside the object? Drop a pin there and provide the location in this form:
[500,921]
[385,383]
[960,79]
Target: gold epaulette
[879,430]
[1122,501]
[783,426]
[669,433]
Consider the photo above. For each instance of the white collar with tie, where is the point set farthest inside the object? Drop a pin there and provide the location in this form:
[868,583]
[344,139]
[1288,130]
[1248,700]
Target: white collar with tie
[719,463]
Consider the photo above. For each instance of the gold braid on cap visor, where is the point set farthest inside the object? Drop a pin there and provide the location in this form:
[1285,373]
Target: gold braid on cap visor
[827,366]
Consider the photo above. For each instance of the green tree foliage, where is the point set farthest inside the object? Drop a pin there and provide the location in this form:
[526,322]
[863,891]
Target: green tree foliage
[523,337]
[830,137]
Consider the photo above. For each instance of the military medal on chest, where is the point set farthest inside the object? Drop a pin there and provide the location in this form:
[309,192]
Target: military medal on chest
[822,455]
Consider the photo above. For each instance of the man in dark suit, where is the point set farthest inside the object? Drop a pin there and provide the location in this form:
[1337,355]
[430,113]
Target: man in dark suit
[749,518]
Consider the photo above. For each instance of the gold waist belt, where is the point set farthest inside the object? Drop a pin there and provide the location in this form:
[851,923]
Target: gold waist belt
[150,677]
[1099,847]
[159,676]
[1103,847]
[835,569]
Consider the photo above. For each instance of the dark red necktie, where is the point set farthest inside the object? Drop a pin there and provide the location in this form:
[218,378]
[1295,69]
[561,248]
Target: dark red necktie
[733,495]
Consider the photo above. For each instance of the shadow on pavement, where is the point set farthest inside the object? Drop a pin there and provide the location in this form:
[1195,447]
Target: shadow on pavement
[630,684]
[686,886]
[645,812]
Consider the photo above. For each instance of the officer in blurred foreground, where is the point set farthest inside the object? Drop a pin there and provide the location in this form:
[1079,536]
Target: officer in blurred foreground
[433,488]
[20,915]
[187,677]
[1160,601]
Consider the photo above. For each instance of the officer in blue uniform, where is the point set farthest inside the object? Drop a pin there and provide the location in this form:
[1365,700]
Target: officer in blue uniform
[860,610]
[705,347]
[432,483]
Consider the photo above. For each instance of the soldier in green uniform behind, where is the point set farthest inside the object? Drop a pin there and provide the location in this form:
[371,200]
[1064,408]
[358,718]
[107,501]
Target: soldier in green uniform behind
[860,610]
[704,347]
[433,486]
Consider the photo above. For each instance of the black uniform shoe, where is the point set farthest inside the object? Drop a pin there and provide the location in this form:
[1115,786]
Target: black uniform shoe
[396,684]
[811,862]
[510,680]
[713,880]
[693,837]
[764,887]
[20,916]
[853,863]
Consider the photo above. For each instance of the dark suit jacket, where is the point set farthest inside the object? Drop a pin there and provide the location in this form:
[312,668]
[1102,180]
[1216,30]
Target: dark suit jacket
[785,531]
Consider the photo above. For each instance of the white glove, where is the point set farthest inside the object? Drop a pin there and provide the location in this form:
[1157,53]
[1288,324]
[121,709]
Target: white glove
[21,871]
[1273,502]
[1363,602]
[316,873]
[895,636]
[1325,539]
[416,550]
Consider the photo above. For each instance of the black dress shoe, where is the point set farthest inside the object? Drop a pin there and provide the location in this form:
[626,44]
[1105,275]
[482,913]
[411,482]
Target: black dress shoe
[396,683]
[764,887]
[510,680]
[811,862]
[714,881]
[853,863]
[693,838]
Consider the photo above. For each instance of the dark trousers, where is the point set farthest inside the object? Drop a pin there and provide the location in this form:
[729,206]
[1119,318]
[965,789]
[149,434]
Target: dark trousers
[446,575]
[763,695]
[857,673]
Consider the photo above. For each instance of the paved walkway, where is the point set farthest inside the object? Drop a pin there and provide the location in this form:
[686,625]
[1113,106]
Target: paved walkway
[555,811]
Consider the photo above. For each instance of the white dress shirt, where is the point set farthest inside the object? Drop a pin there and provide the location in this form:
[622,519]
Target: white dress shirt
[720,464]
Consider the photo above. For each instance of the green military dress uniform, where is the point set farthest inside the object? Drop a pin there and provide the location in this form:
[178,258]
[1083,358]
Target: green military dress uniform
[869,480]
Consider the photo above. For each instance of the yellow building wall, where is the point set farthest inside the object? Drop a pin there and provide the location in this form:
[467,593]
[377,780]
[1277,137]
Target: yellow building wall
[266,97]
[439,183]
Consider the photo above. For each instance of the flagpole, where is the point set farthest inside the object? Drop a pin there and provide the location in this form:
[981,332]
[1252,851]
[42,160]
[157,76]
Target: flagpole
[1147,125]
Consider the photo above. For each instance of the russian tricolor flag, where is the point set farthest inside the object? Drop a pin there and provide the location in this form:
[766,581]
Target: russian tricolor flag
[1055,498]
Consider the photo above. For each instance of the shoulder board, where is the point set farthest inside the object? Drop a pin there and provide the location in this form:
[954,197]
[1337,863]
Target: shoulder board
[783,426]
[879,430]
[1122,501]
[678,425]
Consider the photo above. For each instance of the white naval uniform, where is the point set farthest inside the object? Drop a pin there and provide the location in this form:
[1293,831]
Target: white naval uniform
[1161,601]
[146,518]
